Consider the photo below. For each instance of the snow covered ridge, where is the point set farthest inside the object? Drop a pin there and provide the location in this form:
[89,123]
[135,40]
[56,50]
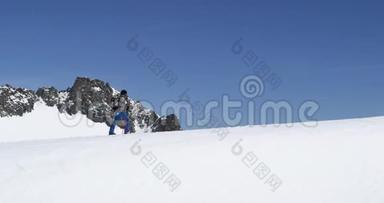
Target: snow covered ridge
[88,97]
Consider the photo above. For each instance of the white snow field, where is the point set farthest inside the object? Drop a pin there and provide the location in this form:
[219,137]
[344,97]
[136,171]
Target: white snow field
[47,123]
[338,161]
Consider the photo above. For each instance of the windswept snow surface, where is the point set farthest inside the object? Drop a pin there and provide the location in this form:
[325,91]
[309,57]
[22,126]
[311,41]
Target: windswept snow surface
[338,161]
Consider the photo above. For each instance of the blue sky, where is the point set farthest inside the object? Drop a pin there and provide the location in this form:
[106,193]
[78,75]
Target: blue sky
[328,51]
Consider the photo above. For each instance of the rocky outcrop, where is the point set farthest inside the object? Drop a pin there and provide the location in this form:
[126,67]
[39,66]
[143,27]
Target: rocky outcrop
[91,98]
[169,123]
[16,101]
[49,95]
[88,97]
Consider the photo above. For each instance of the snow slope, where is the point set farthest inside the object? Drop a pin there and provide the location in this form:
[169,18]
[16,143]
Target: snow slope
[338,161]
[47,123]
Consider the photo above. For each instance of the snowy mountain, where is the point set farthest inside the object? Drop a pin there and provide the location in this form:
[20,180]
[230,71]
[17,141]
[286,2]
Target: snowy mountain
[91,98]
[338,161]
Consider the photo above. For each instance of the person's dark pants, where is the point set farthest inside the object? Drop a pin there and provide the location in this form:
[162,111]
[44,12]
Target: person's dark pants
[121,116]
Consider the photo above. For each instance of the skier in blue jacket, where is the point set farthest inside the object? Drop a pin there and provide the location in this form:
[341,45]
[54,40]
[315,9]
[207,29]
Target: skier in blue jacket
[120,116]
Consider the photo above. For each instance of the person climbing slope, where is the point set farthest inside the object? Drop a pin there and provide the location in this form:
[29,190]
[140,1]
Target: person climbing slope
[120,107]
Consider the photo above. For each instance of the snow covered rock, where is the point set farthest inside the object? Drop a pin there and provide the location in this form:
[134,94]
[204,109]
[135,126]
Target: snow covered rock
[144,118]
[49,95]
[16,101]
[91,98]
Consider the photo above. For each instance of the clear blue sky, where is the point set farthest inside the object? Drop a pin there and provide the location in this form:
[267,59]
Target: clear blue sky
[328,51]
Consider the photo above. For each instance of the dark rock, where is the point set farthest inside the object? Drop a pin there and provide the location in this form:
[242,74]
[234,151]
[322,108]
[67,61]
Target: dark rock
[91,98]
[16,101]
[49,95]
[169,123]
